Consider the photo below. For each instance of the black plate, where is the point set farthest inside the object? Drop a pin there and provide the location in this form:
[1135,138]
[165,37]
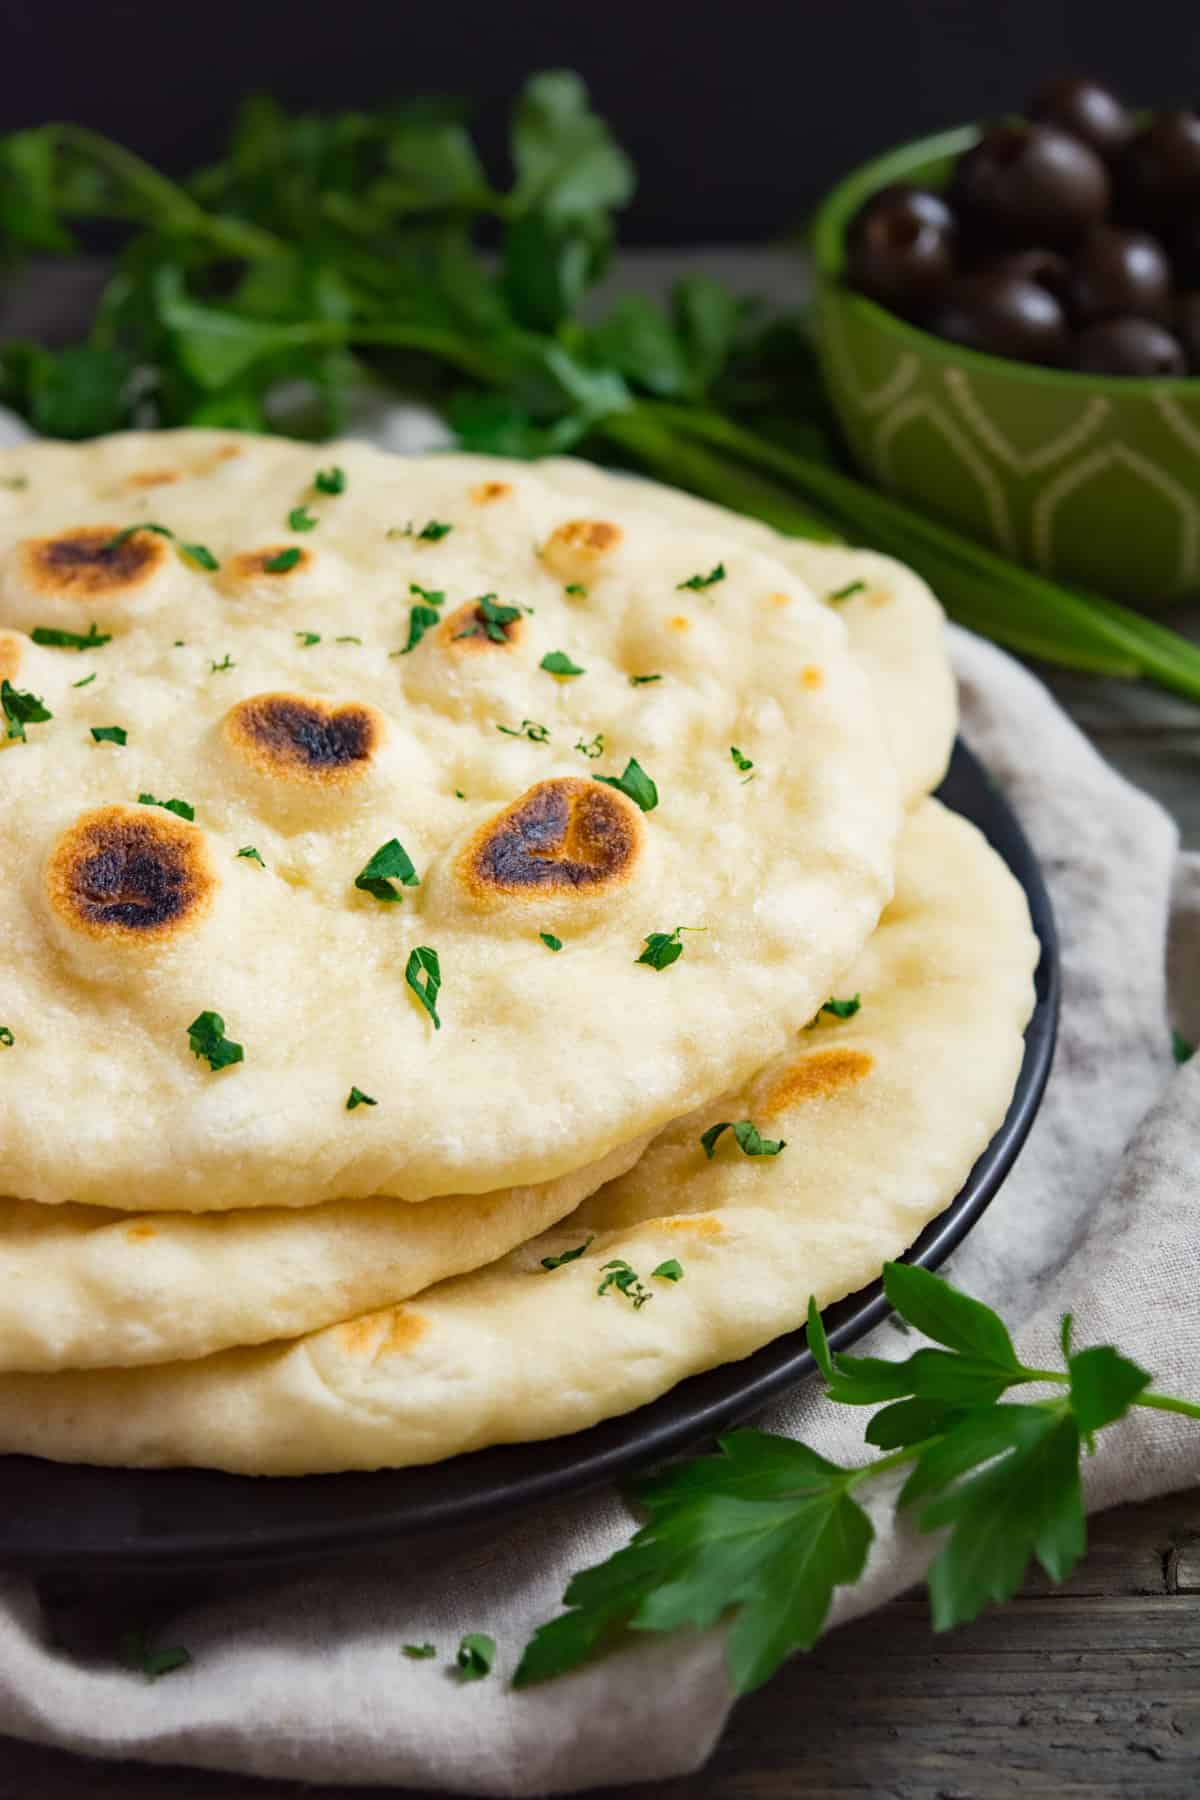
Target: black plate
[73,1517]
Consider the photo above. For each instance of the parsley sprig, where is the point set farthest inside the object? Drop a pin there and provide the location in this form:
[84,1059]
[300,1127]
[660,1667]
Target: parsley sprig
[55,639]
[766,1530]
[20,709]
[391,862]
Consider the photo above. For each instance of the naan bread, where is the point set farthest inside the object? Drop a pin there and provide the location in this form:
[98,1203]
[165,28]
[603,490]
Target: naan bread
[883,1115]
[897,628]
[246,693]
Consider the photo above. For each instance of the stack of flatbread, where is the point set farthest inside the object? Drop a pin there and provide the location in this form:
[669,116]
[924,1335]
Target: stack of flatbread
[475,949]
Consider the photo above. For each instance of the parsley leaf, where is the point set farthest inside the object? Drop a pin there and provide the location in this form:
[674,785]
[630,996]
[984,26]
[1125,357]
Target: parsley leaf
[423,962]
[431,533]
[206,1035]
[431,596]
[357,1098]
[671,1270]
[557,662]
[537,734]
[568,1256]
[576,587]
[330,481]
[551,942]
[635,784]
[698,583]
[218,668]
[662,949]
[123,537]
[641,680]
[491,620]
[285,560]
[347,639]
[20,709]
[180,808]
[844,593]
[300,519]
[199,554]
[251,855]
[140,1654]
[70,640]
[621,1279]
[86,682]
[475,1657]
[418,1652]
[391,862]
[749,1141]
[109,734]
[1181,1049]
[592,748]
[420,620]
[6,1036]
[308,639]
[740,762]
[841,1009]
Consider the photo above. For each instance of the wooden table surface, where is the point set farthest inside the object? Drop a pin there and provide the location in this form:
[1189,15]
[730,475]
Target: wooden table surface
[1089,1690]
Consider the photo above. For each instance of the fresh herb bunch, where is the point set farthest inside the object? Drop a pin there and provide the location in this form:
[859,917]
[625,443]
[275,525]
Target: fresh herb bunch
[321,242]
[763,1532]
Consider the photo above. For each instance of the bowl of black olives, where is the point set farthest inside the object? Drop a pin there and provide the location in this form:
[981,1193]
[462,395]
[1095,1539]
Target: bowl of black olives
[1008,319]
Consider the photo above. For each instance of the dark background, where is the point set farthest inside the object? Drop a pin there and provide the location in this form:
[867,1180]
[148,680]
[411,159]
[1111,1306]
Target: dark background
[738,114]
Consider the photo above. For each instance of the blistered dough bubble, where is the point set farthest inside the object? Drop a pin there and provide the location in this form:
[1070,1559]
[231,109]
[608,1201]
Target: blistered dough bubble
[295,739]
[577,550]
[92,562]
[124,873]
[565,836]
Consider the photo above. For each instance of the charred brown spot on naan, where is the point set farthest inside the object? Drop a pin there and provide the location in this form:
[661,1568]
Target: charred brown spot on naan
[817,1077]
[563,836]
[128,873]
[92,562]
[577,550]
[487,491]
[249,565]
[152,478]
[387,1333]
[296,739]
[467,629]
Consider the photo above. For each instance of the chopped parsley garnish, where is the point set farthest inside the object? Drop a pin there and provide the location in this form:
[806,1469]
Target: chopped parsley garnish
[430,533]
[226,662]
[642,680]
[251,855]
[357,1098]
[841,1009]
[740,762]
[300,519]
[423,963]
[199,554]
[623,1280]
[86,682]
[1181,1049]
[557,662]
[593,747]
[566,1256]
[671,1270]
[537,734]
[420,620]
[347,639]
[308,639]
[391,862]
[418,1652]
[140,1654]
[14,483]
[458,794]
[20,710]
[576,587]
[285,560]
[664,947]
[491,621]
[475,1657]
[180,808]
[6,1036]
[634,783]
[123,537]
[330,481]
[206,1035]
[851,587]
[698,583]
[551,942]
[750,1143]
[431,596]
[70,640]
[109,734]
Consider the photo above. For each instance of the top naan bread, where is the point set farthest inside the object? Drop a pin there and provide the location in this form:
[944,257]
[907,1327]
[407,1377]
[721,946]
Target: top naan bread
[266,694]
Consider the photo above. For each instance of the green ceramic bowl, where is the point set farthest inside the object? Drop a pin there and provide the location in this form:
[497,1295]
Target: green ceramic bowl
[1094,479]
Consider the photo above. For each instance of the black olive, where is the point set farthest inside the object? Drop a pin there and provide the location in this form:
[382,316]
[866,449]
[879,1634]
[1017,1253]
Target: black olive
[1187,327]
[1029,184]
[901,247]
[1005,315]
[1087,109]
[1128,347]
[1158,177]
[1046,267]
[1119,272]
[1185,252]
